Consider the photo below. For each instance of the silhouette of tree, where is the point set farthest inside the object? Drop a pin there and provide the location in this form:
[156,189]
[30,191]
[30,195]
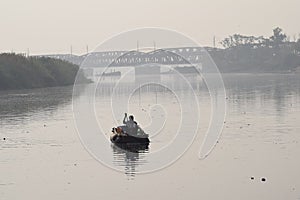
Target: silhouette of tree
[18,72]
[278,37]
[297,46]
[242,40]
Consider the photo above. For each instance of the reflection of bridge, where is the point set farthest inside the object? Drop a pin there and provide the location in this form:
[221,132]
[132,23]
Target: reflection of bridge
[169,56]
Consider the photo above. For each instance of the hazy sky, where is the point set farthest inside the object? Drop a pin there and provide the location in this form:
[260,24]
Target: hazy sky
[46,26]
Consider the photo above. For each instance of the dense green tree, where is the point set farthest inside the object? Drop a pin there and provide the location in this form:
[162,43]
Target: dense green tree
[18,72]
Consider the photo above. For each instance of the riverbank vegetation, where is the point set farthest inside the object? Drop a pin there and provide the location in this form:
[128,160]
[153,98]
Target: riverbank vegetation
[21,72]
[240,53]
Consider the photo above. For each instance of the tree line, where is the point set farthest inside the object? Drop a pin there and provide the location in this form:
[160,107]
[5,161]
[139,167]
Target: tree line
[258,54]
[20,72]
[278,39]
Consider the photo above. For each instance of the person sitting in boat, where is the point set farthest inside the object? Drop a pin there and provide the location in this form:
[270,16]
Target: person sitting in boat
[130,124]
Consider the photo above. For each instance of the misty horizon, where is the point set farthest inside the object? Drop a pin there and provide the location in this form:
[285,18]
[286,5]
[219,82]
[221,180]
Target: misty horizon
[52,27]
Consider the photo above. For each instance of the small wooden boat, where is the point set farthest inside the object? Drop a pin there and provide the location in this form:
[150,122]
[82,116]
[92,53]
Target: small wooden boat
[120,137]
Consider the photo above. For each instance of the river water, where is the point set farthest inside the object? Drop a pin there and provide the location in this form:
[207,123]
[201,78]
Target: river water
[256,157]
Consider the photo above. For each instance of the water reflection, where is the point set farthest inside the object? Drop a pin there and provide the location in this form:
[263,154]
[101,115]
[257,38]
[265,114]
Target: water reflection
[277,92]
[25,102]
[130,156]
[247,87]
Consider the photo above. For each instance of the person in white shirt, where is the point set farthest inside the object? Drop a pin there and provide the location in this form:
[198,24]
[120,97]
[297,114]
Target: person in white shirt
[131,125]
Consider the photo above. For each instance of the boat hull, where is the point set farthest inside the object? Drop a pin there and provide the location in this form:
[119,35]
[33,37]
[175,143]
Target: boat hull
[130,147]
[127,139]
